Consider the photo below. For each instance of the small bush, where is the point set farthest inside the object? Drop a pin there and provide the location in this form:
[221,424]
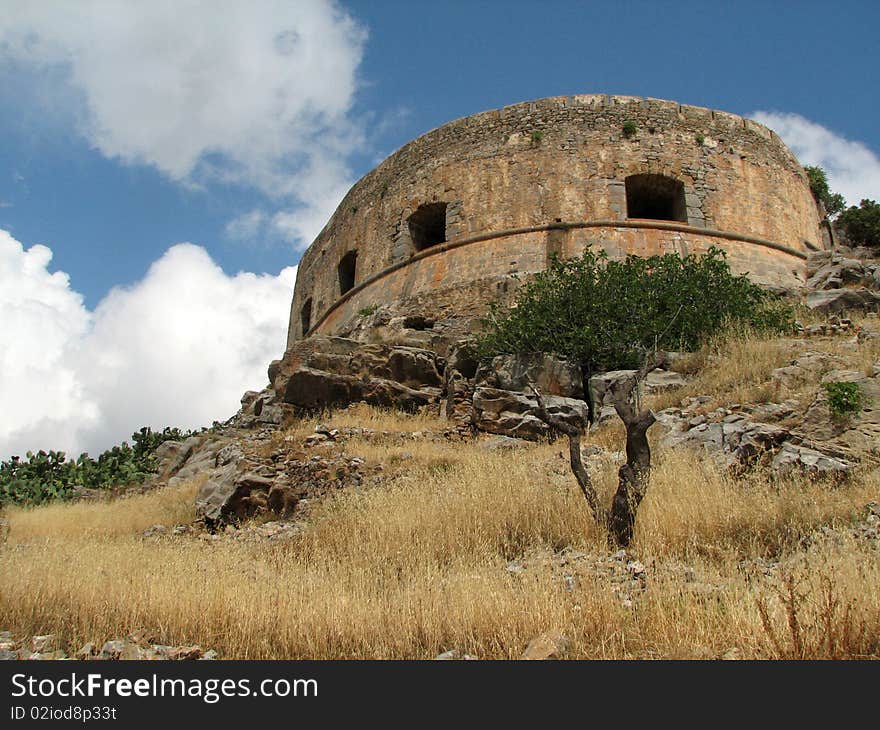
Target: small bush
[537,136]
[629,128]
[700,138]
[368,311]
[844,399]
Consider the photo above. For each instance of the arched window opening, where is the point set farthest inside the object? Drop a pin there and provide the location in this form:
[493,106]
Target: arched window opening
[347,269]
[305,316]
[656,197]
[427,226]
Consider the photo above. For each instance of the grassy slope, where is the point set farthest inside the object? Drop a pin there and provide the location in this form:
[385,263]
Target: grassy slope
[419,565]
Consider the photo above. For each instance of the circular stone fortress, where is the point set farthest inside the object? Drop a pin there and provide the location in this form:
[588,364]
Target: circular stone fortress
[439,229]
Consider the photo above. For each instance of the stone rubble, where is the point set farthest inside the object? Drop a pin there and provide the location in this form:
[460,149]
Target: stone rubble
[138,645]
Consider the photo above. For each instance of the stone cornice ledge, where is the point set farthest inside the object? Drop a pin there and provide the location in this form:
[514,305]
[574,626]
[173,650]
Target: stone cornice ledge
[560,226]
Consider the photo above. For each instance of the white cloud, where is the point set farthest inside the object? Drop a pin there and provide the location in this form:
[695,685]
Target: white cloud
[853,168]
[247,226]
[256,93]
[177,348]
[43,321]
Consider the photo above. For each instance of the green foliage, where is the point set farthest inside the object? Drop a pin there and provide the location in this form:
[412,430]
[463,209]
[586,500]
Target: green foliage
[608,314]
[537,136]
[701,139]
[44,476]
[833,202]
[367,311]
[844,399]
[629,128]
[862,224]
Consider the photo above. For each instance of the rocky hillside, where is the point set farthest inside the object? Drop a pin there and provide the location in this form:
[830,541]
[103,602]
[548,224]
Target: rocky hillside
[785,421]
[387,501]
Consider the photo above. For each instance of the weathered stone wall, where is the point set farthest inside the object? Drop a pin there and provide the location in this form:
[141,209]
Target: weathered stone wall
[549,176]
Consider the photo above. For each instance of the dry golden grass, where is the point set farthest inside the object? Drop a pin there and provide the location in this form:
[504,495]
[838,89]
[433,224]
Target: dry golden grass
[417,566]
[63,521]
[366,416]
[736,366]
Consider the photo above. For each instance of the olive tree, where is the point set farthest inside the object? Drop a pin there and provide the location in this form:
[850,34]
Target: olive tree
[605,315]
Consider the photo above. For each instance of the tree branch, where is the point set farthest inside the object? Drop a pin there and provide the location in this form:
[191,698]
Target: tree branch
[574,454]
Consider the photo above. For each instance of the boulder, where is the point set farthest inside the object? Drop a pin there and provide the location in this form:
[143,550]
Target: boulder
[201,458]
[658,381]
[550,374]
[858,432]
[172,455]
[601,385]
[734,441]
[232,495]
[801,459]
[805,369]
[510,413]
[838,272]
[835,301]
[550,645]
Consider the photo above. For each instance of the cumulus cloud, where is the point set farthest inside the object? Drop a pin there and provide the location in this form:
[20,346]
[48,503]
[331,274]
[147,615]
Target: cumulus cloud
[177,348]
[256,93]
[853,168]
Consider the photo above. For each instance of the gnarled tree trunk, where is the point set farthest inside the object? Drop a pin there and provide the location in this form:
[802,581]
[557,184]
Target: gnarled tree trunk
[634,475]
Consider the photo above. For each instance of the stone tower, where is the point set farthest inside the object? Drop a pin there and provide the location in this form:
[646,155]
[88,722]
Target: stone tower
[440,226]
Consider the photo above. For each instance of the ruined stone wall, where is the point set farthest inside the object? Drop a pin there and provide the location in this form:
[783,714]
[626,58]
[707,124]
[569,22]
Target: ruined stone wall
[525,181]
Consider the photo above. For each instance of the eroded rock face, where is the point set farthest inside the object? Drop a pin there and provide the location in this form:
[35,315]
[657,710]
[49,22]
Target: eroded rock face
[322,372]
[504,404]
[801,459]
[509,413]
[551,375]
[844,267]
[835,301]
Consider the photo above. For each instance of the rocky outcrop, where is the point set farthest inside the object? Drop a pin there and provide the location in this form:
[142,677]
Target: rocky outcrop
[843,280]
[509,413]
[835,301]
[737,441]
[323,372]
[791,458]
[458,388]
[858,432]
[550,374]
[835,269]
[504,404]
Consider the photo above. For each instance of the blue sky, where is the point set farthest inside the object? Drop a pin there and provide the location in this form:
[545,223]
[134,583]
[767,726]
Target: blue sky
[127,132]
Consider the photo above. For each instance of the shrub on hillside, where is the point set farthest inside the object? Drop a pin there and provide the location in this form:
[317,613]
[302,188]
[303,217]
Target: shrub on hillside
[48,475]
[606,315]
